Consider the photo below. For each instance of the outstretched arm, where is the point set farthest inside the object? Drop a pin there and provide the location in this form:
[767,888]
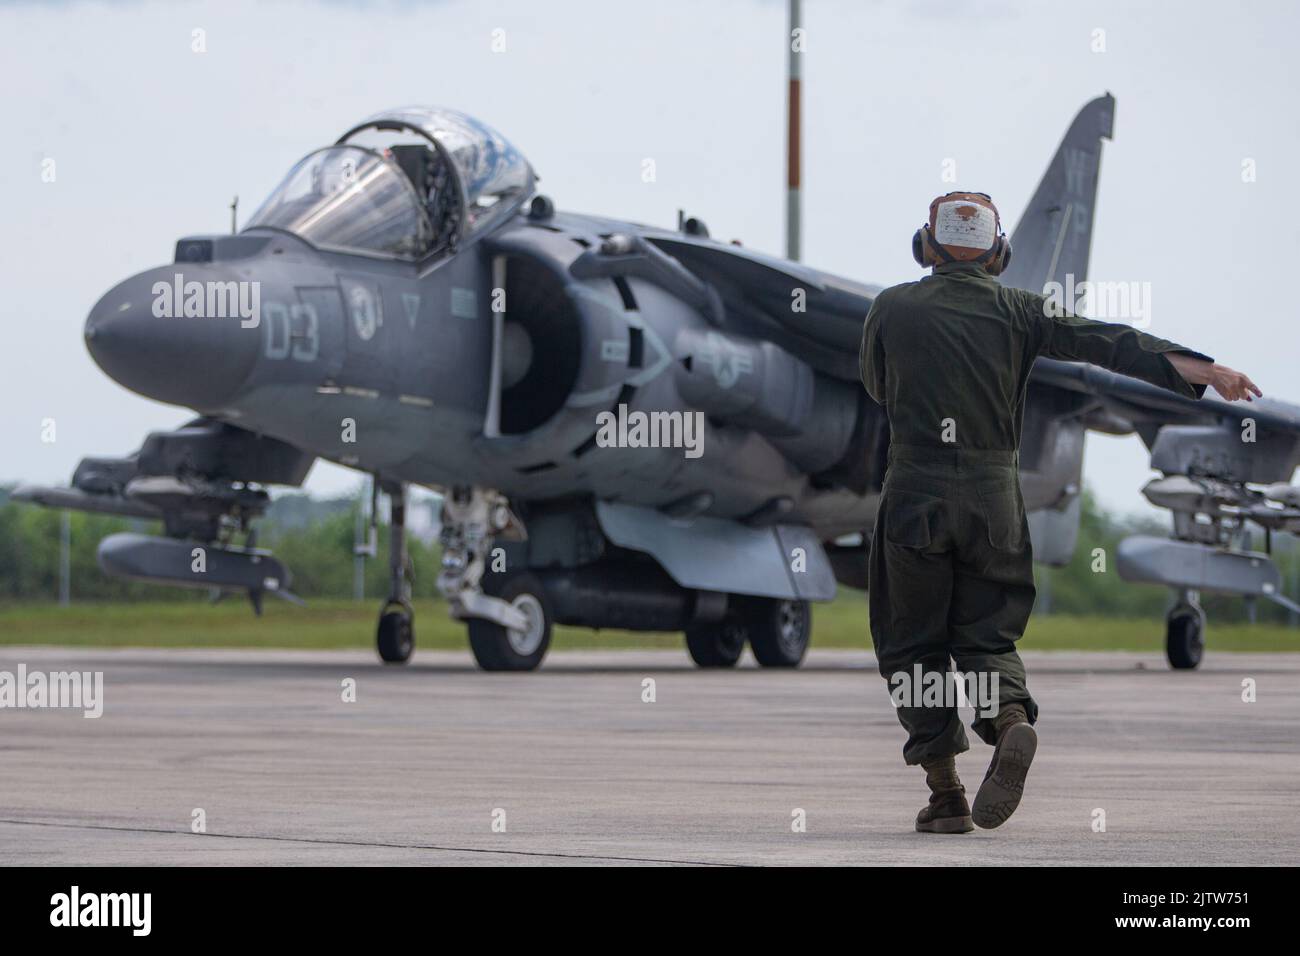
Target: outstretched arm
[1122,348]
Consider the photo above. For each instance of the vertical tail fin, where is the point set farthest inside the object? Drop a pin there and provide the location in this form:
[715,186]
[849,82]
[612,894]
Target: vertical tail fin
[1054,236]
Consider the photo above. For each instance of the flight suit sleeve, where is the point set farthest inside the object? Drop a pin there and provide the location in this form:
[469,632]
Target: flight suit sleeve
[1114,346]
[871,354]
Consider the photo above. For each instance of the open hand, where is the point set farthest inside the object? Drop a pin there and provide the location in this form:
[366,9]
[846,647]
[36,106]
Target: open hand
[1232,384]
[1228,382]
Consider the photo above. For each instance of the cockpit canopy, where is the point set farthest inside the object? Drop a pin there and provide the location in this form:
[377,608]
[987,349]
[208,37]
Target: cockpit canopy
[408,183]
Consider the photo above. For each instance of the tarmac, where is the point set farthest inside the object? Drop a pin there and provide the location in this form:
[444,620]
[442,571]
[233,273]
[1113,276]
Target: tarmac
[436,763]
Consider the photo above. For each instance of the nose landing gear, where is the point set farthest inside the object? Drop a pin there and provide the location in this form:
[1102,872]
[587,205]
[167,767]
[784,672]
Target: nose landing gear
[497,647]
[507,631]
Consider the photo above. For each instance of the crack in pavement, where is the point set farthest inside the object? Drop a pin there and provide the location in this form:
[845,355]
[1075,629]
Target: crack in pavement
[366,843]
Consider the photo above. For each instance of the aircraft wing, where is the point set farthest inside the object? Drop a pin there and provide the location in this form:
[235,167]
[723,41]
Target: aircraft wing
[1225,474]
[1144,402]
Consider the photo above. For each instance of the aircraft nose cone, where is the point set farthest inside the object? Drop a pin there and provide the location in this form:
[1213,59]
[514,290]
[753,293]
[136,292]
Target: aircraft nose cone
[177,334]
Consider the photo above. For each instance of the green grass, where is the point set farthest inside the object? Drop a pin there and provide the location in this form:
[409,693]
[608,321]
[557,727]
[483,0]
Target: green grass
[341,623]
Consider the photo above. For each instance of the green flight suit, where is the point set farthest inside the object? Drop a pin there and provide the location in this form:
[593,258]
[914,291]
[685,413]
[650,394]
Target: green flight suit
[951,568]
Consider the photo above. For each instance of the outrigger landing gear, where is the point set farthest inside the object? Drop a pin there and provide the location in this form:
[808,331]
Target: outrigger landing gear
[395,636]
[1185,632]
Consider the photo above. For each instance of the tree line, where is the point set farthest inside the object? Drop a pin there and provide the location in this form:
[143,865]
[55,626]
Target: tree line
[315,538]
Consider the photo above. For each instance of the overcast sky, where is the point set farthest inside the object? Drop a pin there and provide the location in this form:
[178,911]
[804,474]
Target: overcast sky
[151,140]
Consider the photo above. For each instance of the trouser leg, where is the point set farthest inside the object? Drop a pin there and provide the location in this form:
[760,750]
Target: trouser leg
[908,594]
[993,595]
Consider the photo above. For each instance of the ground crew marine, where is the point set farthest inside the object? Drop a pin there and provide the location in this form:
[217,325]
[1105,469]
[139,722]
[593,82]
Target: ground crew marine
[951,569]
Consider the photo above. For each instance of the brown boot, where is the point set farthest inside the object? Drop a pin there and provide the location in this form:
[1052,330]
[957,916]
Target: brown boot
[1004,783]
[947,811]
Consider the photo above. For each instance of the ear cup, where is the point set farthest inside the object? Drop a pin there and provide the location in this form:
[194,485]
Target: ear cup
[1001,257]
[918,246]
[994,263]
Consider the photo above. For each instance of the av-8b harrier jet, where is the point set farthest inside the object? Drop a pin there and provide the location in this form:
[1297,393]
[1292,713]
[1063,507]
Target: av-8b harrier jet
[632,427]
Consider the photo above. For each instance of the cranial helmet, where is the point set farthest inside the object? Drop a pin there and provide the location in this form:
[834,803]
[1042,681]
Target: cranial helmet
[963,227]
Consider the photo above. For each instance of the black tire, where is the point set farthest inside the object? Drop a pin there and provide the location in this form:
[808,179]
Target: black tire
[1185,636]
[395,636]
[717,643]
[497,649]
[779,630]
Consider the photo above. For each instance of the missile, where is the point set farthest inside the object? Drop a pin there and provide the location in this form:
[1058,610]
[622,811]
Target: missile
[1218,499]
[1197,496]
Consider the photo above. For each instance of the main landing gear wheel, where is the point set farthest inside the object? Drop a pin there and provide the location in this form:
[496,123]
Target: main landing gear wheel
[498,648]
[1185,636]
[396,633]
[779,630]
[716,643]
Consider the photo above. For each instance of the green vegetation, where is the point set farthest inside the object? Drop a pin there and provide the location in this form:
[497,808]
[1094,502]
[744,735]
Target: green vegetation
[335,623]
[314,538]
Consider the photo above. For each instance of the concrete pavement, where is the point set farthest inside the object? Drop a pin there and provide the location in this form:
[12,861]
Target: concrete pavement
[580,769]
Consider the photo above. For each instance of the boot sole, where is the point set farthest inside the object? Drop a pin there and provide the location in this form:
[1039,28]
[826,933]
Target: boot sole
[947,825]
[1000,793]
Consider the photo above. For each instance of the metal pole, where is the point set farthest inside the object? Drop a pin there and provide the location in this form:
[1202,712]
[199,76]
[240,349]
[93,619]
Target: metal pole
[794,72]
[65,559]
[358,551]
[1295,579]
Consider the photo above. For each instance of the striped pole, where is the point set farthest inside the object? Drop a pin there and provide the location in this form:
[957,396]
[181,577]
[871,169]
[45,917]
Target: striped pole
[65,558]
[794,74]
